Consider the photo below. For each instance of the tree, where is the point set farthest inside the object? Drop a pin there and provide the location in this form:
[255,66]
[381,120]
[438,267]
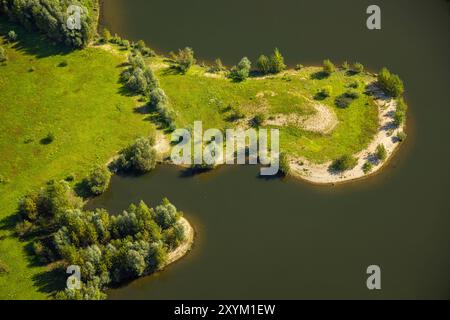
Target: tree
[390,83]
[277,62]
[328,67]
[3,55]
[184,60]
[241,71]
[98,180]
[345,65]
[139,157]
[344,163]
[166,214]
[263,64]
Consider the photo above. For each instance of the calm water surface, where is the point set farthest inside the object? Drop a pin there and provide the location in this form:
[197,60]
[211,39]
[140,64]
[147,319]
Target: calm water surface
[274,239]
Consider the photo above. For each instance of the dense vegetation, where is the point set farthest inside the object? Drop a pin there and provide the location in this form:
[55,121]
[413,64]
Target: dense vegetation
[50,17]
[109,249]
[139,157]
[390,83]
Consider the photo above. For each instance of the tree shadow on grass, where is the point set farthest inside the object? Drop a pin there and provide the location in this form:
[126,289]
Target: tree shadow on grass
[31,42]
[320,75]
[51,281]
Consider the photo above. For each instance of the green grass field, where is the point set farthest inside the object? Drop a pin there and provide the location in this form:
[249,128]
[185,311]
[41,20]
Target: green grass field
[76,96]
[81,105]
[195,96]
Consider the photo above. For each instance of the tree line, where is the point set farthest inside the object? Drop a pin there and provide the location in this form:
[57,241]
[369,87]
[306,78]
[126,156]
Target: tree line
[50,18]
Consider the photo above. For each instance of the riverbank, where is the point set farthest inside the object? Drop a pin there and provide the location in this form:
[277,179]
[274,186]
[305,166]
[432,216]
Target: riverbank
[185,247]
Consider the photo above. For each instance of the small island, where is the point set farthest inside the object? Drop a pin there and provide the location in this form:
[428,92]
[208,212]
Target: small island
[78,107]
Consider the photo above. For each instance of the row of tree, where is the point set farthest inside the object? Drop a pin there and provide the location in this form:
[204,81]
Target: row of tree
[109,249]
[51,16]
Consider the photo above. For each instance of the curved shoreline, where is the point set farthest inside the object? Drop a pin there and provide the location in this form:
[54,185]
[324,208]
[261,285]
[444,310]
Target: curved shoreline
[183,248]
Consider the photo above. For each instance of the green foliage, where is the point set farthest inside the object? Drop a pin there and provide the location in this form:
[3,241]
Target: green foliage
[98,180]
[144,50]
[50,18]
[401,136]
[88,291]
[263,64]
[184,60]
[139,78]
[274,64]
[381,152]
[277,62]
[241,71]
[344,163]
[345,65]
[357,67]
[367,167]
[218,66]
[400,112]
[285,166]
[328,67]
[140,157]
[159,101]
[298,67]
[3,55]
[12,36]
[106,35]
[390,83]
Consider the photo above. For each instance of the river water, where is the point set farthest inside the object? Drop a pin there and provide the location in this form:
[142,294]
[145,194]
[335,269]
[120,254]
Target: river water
[275,239]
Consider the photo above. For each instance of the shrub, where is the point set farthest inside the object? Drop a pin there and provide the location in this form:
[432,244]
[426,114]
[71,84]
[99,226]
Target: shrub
[184,60]
[328,67]
[106,35]
[357,67]
[277,62]
[344,163]
[263,64]
[401,136]
[241,71]
[381,152]
[390,83]
[12,36]
[345,65]
[98,180]
[139,157]
[298,67]
[24,228]
[285,166]
[3,55]
[218,66]
[400,112]
[367,167]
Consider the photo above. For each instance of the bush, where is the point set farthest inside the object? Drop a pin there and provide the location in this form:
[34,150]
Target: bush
[139,157]
[3,55]
[184,60]
[218,66]
[298,67]
[381,152]
[345,65]
[241,71]
[390,83]
[12,36]
[106,35]
[400,112]
[139,78]
[263,64]
[367,167]
[344,163]
[285,166]
[357,67]
[328,67]
[277,62]
[401,136]
[98,180]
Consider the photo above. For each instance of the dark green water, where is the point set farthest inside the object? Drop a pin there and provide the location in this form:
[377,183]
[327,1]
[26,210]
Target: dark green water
[274,239]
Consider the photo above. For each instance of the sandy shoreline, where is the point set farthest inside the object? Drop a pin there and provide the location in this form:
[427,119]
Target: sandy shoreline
[185,247]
